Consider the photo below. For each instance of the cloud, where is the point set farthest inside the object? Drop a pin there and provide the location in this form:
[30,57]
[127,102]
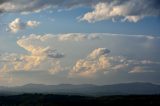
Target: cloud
[149,37]
[77,37]
[119,67]
[18,25]
[56,68]
[80,37]
[26,6]
[38,50]
[62,37]
[6,79]
[72,36]
[38,54]
[32,23]
[4,68]
[120,63]
[45,52]
[53,53]
[99,52]
[20,62]
[96,61]
[140,69]
[148,62]
[124,10]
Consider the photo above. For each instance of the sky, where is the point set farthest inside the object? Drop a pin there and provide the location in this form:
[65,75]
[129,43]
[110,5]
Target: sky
[79,41]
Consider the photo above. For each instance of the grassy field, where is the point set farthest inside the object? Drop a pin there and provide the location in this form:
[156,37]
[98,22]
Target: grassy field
[63,100]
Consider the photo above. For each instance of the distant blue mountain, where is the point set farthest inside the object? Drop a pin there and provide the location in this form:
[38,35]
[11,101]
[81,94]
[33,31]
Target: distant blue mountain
[85,89]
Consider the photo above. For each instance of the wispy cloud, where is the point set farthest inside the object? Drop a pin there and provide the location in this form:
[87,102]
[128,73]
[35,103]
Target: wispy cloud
[140,69]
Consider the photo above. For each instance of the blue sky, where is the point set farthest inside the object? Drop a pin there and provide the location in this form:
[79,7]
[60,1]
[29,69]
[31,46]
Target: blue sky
[72,41]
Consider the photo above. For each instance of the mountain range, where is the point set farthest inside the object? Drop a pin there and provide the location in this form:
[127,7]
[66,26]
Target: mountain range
[136,88]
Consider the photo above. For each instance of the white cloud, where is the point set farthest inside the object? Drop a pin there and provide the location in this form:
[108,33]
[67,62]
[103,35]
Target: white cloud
[56,68]
[38,50]
[72,36]
[62,37]
[96,62]
[149,62]
[99,52]
[149,37]
[38,54]
[18,25]
[132,18]
[77,37]
[140,69]
[24,6]
[120,63]
[125,10]
[27,6]
[32,23]
[42,53]
[7,6]
[131,10]
[119,66]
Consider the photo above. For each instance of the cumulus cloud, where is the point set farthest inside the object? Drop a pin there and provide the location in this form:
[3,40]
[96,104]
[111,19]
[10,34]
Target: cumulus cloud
[18,25]
[38,54]
[125,10]
[42,53]
[99,52]
[38,50]
[96,61]
[91,65]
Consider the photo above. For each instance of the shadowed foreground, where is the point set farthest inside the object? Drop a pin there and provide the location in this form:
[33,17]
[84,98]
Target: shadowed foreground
[61,100]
